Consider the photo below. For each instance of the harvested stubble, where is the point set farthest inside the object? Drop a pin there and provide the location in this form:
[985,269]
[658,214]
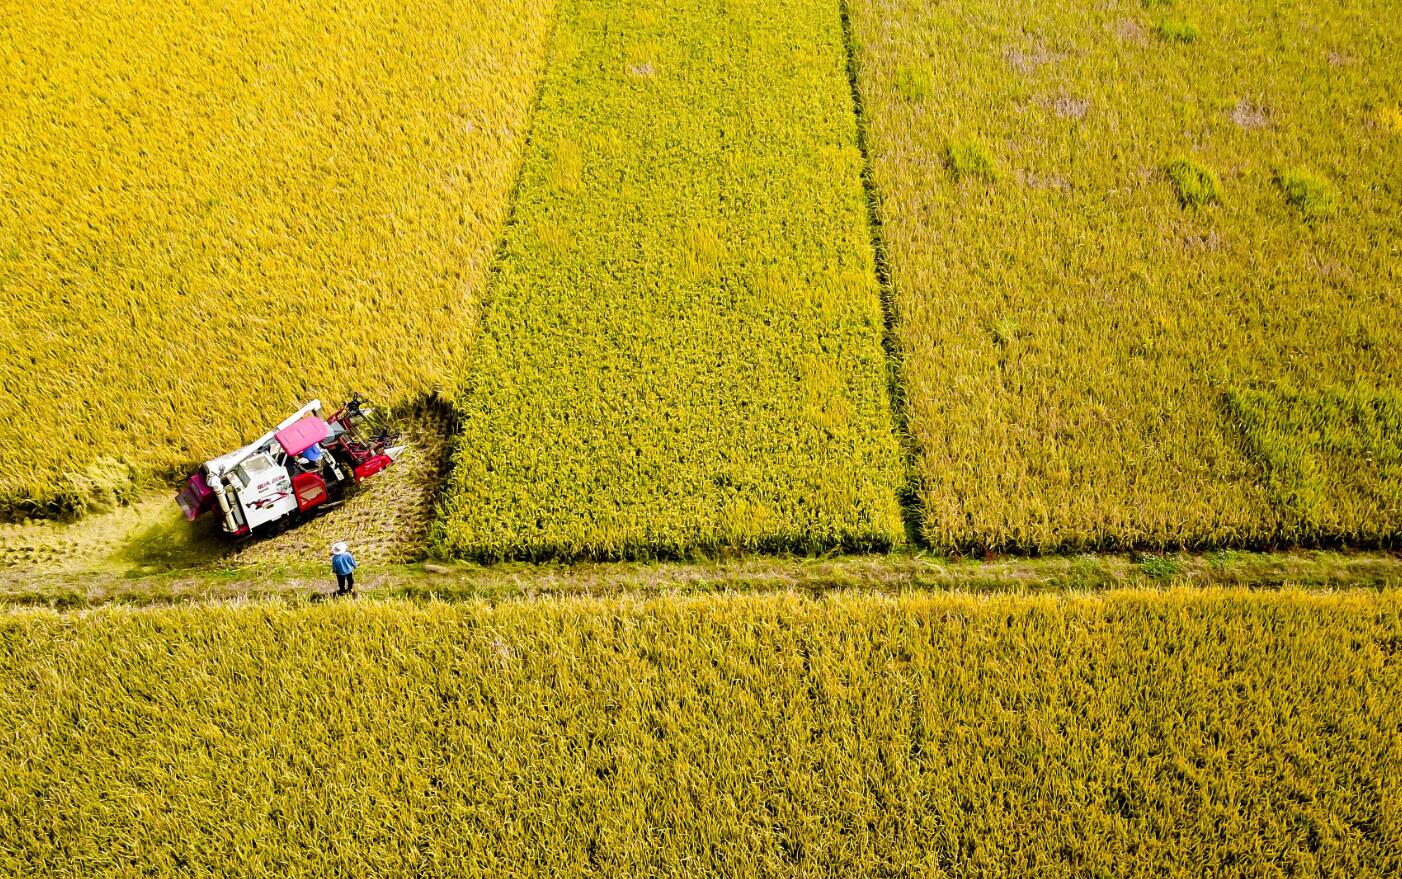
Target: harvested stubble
[386,521]
[682,350]
[1168,734]
[213,210]
[1069,332]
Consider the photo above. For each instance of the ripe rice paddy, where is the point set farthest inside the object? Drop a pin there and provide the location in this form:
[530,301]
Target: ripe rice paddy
[1144,263]
[1143,291]
[214,211]
[682,350]
[1142,286]
[1172,733]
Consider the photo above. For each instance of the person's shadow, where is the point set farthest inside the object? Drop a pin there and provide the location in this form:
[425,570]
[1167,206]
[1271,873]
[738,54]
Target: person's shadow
[319,597]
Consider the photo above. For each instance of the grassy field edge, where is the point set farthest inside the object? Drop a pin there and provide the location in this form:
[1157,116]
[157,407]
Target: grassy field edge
[893,573]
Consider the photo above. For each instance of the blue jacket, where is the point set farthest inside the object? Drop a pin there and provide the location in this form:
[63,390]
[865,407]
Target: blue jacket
[342,563]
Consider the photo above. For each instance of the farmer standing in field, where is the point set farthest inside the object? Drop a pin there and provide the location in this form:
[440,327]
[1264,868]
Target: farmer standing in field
[343,565]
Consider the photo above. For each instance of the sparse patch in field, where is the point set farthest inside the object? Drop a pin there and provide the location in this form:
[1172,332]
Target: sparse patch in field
[970,160]
[1195,185]
[1176,30]
[1028,61]
[1307,192]
[1201,242]
[1248,114]
[1130,31]
[1069,107]
[1330,268]
[642,69]
[503,652]
[1034,180]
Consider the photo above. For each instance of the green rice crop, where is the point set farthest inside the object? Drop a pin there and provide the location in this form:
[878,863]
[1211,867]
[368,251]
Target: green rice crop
[969,159]
[1194,184]
[1308,192]
[1176,30]
[1331,458]
[1175,734]
[914,83]
[682,348]
[1069,333]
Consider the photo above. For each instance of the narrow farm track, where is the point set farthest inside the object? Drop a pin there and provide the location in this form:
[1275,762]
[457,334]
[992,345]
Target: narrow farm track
[682,350]
[112,570]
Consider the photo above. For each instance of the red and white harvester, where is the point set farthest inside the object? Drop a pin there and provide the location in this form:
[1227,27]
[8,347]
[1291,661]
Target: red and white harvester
[302,467]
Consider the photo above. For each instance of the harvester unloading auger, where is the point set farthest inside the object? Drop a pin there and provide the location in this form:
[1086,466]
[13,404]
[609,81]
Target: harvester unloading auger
[302,467]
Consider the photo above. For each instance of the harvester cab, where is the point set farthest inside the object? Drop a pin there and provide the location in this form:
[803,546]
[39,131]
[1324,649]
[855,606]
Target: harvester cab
[304,466]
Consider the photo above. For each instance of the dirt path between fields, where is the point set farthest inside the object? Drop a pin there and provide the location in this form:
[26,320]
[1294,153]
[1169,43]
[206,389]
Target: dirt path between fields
[902,572]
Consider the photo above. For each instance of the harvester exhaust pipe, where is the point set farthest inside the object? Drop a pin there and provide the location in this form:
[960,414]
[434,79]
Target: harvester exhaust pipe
[217,484]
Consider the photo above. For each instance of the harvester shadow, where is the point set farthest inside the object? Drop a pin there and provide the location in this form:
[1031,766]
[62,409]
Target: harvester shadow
[172,544]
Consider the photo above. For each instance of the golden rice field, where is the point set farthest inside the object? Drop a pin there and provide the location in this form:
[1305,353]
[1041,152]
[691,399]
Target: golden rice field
[1140,263]
[1175,734]
[213,211]
[1144,280]
[1145,266]
[682,350]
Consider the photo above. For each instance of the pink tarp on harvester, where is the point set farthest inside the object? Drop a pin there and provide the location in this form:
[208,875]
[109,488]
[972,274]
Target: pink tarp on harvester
[302,435]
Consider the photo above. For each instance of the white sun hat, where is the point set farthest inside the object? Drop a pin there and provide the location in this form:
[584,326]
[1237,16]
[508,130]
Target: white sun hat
[339,546]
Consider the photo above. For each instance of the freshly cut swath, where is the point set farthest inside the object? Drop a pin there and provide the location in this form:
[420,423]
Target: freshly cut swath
[1104,222]
[682,346]
[214,210]
[1133,734]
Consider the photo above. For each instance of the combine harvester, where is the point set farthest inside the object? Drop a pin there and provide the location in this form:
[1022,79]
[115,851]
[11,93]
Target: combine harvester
[304,466]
